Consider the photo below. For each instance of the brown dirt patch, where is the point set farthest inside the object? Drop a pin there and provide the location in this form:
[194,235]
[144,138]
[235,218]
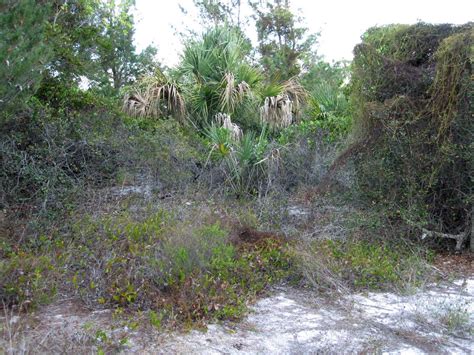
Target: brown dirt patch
[458,265]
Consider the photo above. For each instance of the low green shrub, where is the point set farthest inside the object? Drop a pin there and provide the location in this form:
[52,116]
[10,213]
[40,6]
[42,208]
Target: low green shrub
[180,270]
[360,264]
[27,280]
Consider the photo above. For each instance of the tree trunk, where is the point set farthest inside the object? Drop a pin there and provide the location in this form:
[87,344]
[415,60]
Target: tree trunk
[472,230]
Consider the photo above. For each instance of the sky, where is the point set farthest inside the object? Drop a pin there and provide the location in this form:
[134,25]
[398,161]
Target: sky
[340,22]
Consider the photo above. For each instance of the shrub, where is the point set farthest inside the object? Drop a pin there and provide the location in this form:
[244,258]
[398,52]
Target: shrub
[244,163]
[43,156]
[411,85]
[341,265]
[183,270]
[27,280]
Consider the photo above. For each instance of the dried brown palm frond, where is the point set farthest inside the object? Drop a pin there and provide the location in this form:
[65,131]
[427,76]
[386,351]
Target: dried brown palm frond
[154,100]
[224,121]
[233,94]
[168,96]
[227,96]
[135,104]
[281,111]
[277,111]
[296,93]
[243,89]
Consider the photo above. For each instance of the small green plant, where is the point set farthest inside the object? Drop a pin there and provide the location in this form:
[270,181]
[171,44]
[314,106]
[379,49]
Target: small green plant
[244,161]
[156,319]
[451,317]
[454,317]
[360,264]
[27,280]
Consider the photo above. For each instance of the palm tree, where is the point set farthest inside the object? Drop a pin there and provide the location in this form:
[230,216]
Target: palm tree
[215,78]
[155,96]
[218,77]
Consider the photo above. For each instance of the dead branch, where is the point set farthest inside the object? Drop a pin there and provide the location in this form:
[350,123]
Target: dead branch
[459,238]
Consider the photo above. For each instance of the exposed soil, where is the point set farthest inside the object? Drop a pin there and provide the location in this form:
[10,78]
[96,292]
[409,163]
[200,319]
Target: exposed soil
[457,264]
[298,322]
[438,319]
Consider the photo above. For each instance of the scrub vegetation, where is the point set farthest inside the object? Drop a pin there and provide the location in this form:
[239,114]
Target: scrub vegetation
[184,193]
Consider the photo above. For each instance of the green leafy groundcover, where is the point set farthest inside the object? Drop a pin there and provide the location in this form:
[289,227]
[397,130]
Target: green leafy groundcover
[181,272]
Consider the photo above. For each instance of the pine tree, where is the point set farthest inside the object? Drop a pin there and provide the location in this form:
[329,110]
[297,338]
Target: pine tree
[282,43]
[119,63]
[24,53]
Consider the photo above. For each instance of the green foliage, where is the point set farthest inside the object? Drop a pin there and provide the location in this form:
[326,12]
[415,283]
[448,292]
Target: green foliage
[92,40]
[44,156]
[328,106]
[23,53]
[51,133]
[336,124]
[245,161]
[219,141]
[455,317]
[411,87]
[215,78]
[171,267]
[118,61]
[60,144]
[320,72]
[360,264]
[371,265]
[71,35]
[156,319]
[329,100]
[283,45]
[27,280]
[218,77]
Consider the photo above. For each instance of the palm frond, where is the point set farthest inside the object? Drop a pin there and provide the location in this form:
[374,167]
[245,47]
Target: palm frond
[282,109]
[330,98]
[216,70]
[225,122]
[296,93]
[277,111]
[135,104]
[232,94]
[155,97]
[227,98]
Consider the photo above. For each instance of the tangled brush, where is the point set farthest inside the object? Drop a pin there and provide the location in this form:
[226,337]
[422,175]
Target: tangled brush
[413,126]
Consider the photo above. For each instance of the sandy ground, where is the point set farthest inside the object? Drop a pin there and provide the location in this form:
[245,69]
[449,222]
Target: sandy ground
[438,319]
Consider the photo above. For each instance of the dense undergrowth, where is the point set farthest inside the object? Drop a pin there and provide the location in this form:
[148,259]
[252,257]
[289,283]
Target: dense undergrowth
[171,208]
[184,270]
[412,91]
